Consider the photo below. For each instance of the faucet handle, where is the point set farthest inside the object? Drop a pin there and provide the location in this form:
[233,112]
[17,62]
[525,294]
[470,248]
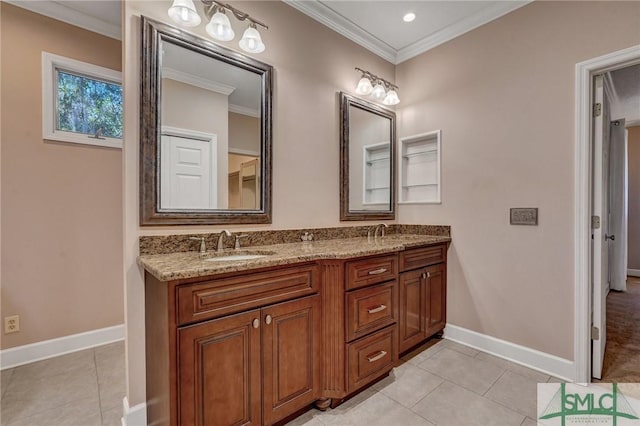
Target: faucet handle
[203,246]
[238,237]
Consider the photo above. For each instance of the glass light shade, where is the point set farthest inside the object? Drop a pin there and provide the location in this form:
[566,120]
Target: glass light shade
[220,28]
[391,98]
[378,92]
[364,86]
[183,12]
[251,41]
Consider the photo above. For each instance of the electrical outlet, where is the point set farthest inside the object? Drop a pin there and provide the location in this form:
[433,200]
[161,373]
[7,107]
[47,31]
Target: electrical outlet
[12,324]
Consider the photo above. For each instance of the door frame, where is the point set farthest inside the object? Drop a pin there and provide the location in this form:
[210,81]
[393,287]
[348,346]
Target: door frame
[583,199]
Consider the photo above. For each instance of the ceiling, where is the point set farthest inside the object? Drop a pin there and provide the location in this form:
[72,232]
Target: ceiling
[625,102]
[378,25]
[375,25]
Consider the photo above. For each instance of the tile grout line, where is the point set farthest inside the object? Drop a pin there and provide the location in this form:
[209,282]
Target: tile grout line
[95,366]
[504,371]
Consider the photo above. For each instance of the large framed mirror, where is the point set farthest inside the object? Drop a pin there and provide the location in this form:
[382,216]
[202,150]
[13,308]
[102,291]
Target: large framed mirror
[367,148]
[205,129]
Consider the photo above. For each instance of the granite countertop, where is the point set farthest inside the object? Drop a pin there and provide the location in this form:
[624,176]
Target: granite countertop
[183,265]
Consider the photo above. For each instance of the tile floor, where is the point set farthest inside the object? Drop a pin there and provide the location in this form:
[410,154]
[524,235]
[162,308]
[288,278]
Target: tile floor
[446,384]
[80,389]
[441,383]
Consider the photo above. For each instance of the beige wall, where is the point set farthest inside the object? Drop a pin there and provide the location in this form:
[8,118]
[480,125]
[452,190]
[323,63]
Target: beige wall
[244,133]
[310,69]
[634,197]
[61,203]
[503,96]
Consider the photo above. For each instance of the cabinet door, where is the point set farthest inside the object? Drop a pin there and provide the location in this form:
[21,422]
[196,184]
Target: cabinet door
[291,363]
[219,371]
[437,298]
[413,309]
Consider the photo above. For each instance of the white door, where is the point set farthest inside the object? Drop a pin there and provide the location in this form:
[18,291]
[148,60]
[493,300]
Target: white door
[187,178]
[600,234]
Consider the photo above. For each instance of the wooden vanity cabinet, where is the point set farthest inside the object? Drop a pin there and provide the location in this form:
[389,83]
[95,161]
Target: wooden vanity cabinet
[250,367]
[423,294]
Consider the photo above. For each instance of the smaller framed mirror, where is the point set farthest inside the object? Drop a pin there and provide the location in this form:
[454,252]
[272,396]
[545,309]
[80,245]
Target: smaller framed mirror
[367,172]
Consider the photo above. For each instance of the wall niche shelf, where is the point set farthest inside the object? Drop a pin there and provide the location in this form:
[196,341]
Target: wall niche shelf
[420,168]
[376,170]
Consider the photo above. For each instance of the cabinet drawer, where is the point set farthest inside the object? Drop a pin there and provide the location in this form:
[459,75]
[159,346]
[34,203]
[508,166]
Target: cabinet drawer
[214,298]
[371,357]
[420,257]
[371,308]
[375,270]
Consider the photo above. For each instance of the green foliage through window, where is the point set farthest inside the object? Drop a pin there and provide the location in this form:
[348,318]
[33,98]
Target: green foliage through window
[86,105]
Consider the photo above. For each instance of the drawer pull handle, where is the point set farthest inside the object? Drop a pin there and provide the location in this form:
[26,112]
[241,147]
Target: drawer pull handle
[377,309]
[256,323]
[376,357]
[378,271]
[268,319]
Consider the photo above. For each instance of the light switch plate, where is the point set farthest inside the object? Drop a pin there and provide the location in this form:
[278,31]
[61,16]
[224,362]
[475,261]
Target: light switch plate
[524,216]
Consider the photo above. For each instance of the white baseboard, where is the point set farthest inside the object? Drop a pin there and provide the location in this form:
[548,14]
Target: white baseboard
[26,354]
[135,416]
[633,272]
[544,362]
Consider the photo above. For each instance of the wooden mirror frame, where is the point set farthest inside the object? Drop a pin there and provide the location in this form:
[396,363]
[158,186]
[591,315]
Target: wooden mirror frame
[347,101]
[153,32]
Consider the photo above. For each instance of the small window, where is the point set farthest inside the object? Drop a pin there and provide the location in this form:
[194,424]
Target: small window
[82,103]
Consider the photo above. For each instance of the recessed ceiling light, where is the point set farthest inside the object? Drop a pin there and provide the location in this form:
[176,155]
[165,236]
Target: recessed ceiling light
[409,17]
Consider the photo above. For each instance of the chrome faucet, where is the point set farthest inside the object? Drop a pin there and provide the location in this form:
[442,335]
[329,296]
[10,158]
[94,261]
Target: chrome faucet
[203,246]
[380,227]
[221,239]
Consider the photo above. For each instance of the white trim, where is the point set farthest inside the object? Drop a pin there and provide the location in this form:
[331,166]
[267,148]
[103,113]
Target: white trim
[133,416]
[540,361]
[194,80]
[353,32]
[631,123]
[50,63]
[582,202]
[244,152]
[26,354]
[339,24]
[450,32]
[239,109]
[633,272]
[71,16]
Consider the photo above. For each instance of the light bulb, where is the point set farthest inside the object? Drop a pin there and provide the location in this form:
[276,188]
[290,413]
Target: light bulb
[251,41]
[184,13]
[364,86]
[219,27]
[391,98]
[378,91]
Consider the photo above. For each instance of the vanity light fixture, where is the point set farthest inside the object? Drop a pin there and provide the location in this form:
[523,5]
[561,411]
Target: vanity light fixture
[378,88]
[184,13]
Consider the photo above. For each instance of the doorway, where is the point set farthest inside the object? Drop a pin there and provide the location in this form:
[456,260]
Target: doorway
[585,223]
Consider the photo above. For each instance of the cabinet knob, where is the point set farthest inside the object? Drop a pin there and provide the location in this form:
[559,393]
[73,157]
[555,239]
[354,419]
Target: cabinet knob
[267,319]
[256,323]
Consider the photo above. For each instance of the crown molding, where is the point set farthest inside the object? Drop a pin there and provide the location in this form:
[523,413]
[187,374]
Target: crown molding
[339,24]
[459,28]
[203,83]
[239,109]
[63,13]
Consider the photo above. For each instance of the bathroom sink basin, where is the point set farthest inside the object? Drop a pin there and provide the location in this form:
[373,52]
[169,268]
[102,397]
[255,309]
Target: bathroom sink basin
[238,255]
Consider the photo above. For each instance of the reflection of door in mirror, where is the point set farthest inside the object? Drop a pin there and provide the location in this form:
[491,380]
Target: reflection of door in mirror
[204,96]
[369,161]
[187,160]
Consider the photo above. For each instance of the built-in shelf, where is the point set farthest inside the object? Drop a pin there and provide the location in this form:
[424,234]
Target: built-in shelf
[420,168]
[376,172]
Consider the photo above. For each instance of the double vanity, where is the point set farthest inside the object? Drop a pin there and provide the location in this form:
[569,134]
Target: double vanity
[257,335]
